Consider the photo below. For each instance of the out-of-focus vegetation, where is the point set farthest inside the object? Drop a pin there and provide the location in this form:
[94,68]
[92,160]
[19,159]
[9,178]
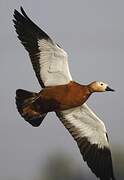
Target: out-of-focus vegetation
[61,167]
[118,161]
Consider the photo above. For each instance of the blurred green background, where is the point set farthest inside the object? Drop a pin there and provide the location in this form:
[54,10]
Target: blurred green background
[92,32]
[61,166]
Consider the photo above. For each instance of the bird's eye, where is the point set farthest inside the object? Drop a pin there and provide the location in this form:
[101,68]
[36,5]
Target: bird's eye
[101,84]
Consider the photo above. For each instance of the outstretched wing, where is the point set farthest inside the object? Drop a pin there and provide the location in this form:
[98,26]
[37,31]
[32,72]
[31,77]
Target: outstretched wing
[91,136]
[50,62]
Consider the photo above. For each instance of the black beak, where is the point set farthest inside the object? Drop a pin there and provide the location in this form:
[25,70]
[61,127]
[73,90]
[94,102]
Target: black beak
[109,89]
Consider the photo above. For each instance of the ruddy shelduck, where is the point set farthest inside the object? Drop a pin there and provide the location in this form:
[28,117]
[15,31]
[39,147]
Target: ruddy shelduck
[63,96]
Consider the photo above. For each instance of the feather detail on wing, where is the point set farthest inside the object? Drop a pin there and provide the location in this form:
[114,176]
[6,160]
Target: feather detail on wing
[91,136]
[50,62]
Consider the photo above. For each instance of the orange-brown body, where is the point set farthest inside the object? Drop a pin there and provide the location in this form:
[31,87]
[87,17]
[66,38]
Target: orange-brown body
[62,97]
[34,106]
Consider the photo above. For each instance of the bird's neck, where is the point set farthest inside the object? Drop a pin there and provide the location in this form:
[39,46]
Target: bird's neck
[90,89]
[82,93]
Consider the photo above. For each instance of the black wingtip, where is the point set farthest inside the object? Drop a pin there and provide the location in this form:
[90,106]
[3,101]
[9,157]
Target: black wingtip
[15,12]
[23,12]
[14,15]
[21,8]
[14,22]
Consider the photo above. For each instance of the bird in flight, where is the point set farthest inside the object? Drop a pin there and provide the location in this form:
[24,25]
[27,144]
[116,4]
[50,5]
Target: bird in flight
[63,96]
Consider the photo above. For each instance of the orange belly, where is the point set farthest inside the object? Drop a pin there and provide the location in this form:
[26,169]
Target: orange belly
[62,97]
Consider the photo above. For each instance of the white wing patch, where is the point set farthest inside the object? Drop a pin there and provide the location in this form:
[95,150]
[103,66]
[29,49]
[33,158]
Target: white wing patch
[90,134]
[88,125]
[53,62]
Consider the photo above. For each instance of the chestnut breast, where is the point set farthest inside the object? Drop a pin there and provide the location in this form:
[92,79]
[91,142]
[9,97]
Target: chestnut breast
[63,97]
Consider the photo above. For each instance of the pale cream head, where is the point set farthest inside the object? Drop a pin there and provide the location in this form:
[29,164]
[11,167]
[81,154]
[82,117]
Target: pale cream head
[98,86]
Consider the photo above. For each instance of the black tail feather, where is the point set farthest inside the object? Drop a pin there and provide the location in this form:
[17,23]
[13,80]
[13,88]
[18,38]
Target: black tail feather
[30,112]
